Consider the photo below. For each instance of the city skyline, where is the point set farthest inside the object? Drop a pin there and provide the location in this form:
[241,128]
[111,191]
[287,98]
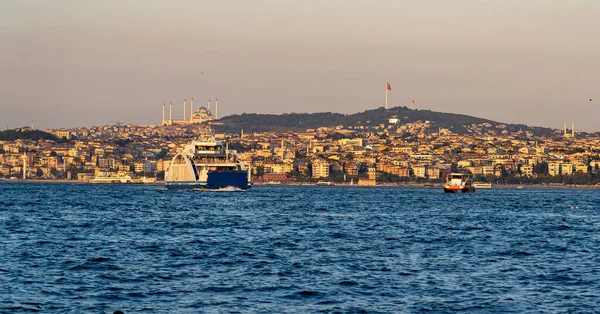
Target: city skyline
[73,63]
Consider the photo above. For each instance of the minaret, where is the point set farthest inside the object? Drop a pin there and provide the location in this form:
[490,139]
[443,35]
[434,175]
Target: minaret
[184,108]
[163,120]
[565,134]
[572,128]
[209,106]
[242,134]
[24,166]
[217,109]
[170,112]
[191,109]
[32,125]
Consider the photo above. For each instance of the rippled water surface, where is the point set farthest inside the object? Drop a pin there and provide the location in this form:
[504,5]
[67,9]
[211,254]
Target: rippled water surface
[88,248]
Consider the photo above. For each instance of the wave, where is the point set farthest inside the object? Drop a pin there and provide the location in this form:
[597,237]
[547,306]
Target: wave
[228,189]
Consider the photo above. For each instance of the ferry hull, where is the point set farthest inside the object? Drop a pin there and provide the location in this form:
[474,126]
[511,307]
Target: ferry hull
[457,189]
[216,180]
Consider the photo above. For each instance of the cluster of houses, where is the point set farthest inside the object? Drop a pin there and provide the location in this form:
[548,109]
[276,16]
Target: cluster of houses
[413,151]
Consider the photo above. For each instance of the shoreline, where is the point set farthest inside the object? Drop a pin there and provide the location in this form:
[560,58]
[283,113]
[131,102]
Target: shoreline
[413,185]
[77,182]
[439,185]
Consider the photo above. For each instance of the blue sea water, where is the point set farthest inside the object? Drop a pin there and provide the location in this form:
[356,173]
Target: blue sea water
[79,248]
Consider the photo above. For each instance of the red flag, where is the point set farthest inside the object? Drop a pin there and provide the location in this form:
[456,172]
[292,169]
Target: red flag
[413,101]
[388,86]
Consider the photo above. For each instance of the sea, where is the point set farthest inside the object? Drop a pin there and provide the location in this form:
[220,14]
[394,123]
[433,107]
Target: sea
[80,248]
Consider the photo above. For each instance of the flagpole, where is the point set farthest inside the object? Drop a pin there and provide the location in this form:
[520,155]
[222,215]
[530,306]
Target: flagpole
[386,90]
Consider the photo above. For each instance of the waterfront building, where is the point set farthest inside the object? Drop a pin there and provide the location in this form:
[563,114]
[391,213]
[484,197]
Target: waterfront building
[320,168]
[526,170]
[553,168]
[434,173]
[419,171]
[566,168]
[581,168]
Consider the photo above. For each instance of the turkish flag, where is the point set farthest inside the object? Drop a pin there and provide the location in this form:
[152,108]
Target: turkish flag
[388,86]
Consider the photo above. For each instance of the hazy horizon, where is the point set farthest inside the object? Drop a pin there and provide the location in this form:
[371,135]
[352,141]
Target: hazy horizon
[73,63]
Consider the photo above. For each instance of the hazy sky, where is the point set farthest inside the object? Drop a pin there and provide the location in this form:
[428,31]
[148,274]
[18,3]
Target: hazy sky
[87,62]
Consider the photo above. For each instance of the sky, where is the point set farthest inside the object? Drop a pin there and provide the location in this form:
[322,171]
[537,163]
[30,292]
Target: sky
[80,63]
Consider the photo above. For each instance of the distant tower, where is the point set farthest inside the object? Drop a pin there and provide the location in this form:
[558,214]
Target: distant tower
[217,109]
[163,120]
[572,128]
[209,106]
[170,112]
[191,109]
[184,108]
[565,133]
[242,134]
[32,125]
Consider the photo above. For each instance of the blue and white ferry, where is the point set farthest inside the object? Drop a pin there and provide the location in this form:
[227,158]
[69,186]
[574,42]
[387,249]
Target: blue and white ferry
[207,165]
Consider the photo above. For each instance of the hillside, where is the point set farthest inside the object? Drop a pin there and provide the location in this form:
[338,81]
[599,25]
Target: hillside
[13,135]
[253,122]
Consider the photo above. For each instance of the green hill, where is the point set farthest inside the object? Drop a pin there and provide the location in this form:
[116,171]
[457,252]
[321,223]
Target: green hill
[13,135]
[252,122]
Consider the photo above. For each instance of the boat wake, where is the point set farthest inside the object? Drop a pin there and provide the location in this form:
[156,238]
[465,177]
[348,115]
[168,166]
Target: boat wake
[228,189]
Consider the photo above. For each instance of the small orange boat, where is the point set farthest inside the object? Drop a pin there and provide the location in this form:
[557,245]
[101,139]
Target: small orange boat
[459,182]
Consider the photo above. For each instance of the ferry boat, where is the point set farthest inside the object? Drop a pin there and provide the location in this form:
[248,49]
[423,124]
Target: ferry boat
[112,179]
[459,182]
[326,183]
[207,165]
[482,185]
[143,180]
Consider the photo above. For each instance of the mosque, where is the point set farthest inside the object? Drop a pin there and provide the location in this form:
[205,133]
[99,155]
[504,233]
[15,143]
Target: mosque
[203,114]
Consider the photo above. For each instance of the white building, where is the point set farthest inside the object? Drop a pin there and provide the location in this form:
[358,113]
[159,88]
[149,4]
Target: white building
[320,168]
[419,171]
[553,168]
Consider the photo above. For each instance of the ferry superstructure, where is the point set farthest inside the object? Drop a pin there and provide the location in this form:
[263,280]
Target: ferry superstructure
[207,165]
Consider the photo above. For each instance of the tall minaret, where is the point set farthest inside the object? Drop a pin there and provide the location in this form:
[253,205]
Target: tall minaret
[24,166]
[217,108]
[572,128]
[163,120]
[191,109]
[242,134]
[565,134]
[209,106]
[184,108]
[170,112]
[32,125]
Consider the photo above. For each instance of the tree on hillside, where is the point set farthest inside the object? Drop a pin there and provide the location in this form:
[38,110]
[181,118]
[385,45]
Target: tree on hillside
[34,135]
[541,168]
[490,178]
[260,170]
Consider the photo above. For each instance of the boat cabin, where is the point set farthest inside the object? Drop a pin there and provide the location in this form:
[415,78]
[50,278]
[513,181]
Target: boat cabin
[458,179]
